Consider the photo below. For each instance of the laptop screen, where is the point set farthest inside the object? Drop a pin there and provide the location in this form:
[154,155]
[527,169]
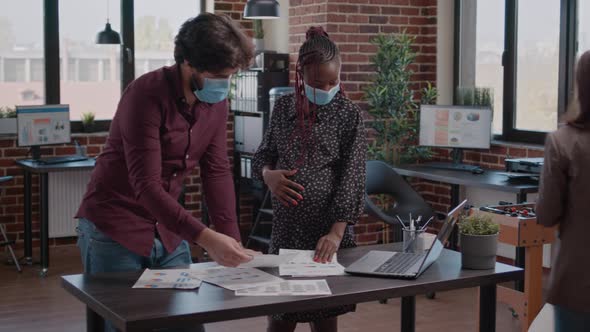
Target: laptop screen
[442,237]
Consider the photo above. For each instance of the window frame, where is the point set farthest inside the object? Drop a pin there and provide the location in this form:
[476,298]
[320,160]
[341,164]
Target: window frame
[52,61]
[567,52]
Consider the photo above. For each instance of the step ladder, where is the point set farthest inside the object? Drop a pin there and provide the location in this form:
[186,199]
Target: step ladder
[262,227]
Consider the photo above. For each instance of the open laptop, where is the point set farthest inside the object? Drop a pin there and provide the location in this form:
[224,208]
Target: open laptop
[406,265]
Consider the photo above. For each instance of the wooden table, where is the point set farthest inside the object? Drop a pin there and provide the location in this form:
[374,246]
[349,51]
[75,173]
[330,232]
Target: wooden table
[31,167]
[524,232]
[110,296]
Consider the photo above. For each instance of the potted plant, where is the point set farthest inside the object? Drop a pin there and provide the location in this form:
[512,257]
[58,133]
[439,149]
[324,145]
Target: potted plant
[394,104]
[479,242]
[258,36]
[7,120]
[88,122]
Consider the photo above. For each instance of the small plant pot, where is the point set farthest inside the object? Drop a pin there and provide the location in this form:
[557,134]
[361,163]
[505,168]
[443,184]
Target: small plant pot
[478,252]
[88,128]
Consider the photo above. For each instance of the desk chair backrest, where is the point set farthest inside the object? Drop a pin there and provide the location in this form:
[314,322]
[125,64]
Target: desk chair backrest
[383,179]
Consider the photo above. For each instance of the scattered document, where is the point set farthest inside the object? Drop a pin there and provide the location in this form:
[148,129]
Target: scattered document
[234,278]
[179,279]
[304,266]
[289,288]
[269,260]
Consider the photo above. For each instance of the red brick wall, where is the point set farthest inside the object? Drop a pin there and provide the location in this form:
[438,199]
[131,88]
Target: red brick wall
[352,25]
[235,9]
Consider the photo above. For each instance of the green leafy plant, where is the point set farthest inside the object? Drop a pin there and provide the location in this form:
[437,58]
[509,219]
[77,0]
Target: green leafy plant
[88,119]
[7,112]
[478,225]
[258,29]
[393,103]
[475,96]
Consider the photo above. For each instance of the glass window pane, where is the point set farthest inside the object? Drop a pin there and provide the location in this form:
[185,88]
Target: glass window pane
[489,72]
[21,53]
[156,24]
[583,26]
[82,87]
[537,76]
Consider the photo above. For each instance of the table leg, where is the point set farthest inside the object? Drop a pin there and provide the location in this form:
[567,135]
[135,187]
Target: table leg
[487,308]
[408,318]
[44,213]
[28,219]
[94,322]
[519,257]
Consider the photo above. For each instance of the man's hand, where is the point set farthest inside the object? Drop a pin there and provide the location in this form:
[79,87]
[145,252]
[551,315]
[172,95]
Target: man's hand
[283,188]
[223,249]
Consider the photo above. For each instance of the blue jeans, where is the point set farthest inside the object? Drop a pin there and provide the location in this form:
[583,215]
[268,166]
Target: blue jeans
[102,254]
[571,321]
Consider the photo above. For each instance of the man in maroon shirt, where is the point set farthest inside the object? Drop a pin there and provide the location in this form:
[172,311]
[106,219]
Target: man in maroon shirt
[168,122]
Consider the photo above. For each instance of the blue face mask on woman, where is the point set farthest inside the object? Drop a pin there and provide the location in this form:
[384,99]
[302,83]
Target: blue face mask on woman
[321,97]
[214,90]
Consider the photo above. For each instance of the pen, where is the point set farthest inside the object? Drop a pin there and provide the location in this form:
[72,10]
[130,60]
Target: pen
[426,224]
[400,221]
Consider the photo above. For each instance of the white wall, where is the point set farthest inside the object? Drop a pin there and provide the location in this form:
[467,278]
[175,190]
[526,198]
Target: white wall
[276,32]
[444,51]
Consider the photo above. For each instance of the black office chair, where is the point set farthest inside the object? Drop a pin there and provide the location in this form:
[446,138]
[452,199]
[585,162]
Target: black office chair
[383,179]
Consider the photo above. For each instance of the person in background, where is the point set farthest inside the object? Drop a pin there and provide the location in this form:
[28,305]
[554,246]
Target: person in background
[563,200]
[312,159]
[168,122]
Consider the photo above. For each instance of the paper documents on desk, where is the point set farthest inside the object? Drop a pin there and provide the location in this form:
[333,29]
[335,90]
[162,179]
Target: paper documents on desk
[234,278]
[304,266]
[289,288]
[269,260]
[179,279]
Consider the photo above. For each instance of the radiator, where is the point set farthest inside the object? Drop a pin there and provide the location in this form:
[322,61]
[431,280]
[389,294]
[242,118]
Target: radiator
[66,190]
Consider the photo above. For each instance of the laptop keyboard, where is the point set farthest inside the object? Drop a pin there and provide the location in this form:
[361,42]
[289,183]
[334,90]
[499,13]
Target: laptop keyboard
[399,263]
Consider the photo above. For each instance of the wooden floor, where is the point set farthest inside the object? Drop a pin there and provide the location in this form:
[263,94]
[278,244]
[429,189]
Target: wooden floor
[30,303]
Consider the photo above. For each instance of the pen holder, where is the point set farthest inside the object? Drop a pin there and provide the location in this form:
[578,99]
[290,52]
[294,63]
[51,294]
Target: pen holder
[413,240]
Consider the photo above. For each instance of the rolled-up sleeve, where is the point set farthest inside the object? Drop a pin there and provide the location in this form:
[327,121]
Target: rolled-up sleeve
[139,125]
[348,203]
[219,186]
[553,185]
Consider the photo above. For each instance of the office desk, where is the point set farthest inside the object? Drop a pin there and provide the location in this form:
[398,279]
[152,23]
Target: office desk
[110,296]
[31,167]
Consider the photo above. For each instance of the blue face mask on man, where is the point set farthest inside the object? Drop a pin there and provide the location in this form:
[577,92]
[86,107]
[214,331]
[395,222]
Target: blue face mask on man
[321,97]
[214,90]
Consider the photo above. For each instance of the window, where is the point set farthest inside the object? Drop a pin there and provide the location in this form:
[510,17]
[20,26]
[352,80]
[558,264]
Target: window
[87,76]
[156,24]
[583,26]
[526,59]
[489,41]
[81,88]
[537,66]
[21,53]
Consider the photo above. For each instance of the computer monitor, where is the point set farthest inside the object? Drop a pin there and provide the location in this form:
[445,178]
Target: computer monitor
[42,125]
[457,127]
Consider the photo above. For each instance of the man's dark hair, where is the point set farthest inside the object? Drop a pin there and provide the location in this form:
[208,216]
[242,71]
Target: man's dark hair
[213,43]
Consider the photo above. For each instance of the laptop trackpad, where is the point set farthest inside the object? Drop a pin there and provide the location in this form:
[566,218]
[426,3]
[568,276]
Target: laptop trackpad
[371,261]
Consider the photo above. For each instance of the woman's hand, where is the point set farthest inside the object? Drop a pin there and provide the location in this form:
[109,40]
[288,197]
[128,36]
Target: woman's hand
[283,188]
[327,246]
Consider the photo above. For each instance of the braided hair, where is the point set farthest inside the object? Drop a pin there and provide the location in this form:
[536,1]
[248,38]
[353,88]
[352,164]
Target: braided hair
[317,49]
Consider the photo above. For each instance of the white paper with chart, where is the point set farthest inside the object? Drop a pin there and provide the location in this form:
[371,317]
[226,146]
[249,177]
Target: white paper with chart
[289,288]
[234,278]
[158,279]
[304,266]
